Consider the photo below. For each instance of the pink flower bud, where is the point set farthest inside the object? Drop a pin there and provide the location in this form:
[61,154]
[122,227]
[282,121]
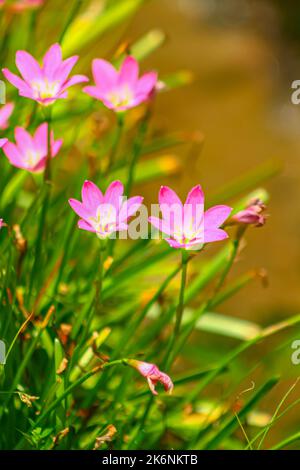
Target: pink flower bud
[153,375]
[252,215]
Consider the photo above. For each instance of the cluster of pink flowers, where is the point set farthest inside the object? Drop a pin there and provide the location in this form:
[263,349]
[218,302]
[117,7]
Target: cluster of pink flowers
[186,225]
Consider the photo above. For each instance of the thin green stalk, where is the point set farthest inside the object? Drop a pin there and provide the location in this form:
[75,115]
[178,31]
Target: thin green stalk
[45,204]
[136,151]
[116,141]
[179,312]
[99,278]
[72,15]
[281,403]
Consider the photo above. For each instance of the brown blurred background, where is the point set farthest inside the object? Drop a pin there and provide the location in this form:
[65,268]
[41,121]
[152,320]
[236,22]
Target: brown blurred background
[245,55]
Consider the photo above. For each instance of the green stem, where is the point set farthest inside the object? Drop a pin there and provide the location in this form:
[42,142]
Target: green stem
[45,205]
[47,173]
[179,312]
[137,149]
[73,13]
[99,277]
[116,141]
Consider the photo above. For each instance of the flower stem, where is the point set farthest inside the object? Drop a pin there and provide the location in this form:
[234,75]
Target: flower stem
[99,277]
[137,147]
[47,173]
[179,312]
[116,141]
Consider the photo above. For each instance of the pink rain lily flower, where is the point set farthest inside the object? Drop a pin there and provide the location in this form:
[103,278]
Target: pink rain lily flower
[5,113]
[47,83]
[153,375]
[30,153]
[252,215]
[187,225]
[104,214]
[121,90]
[19,6]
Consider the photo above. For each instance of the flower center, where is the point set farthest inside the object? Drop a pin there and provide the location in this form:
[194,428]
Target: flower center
[121,97]
[105,220]
[45,89]
[32,158]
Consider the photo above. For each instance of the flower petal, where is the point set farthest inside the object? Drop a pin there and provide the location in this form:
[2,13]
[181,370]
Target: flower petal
[28,67]
[130,207]
[105,75]
[85,226]
[214,235]
[79,208]
[216,216]
[129,72]
[91,195]
[17,81]
[52,61]
[146,84]
[114,194]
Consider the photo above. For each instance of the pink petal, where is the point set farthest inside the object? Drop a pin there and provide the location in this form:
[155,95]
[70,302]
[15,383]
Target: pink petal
[13,154]
[114,194]
[23,139]
[130,207]
[85,226]
[5,114]
[55,145]
[79,208]
[193,209]
[105,75]
[171,208]
[174,243]
[94,92]
[40,166]
[65,68]
[215,216]
[3,142]
[52,61]
[74,81]
[214,235]
[16,81]
[28,66]
[169,197]
[161,225]
[195,196]
[41,139]
[146,84]
[92,197]
[129,72]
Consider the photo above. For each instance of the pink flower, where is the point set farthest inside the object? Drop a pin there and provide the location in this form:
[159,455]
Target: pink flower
[106,213]
[252,215]
[121,90]
[153,375]
[30,153]
[5,113]
[47,83]
[3,142]
[21,5]
[187,225]
[1,223]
